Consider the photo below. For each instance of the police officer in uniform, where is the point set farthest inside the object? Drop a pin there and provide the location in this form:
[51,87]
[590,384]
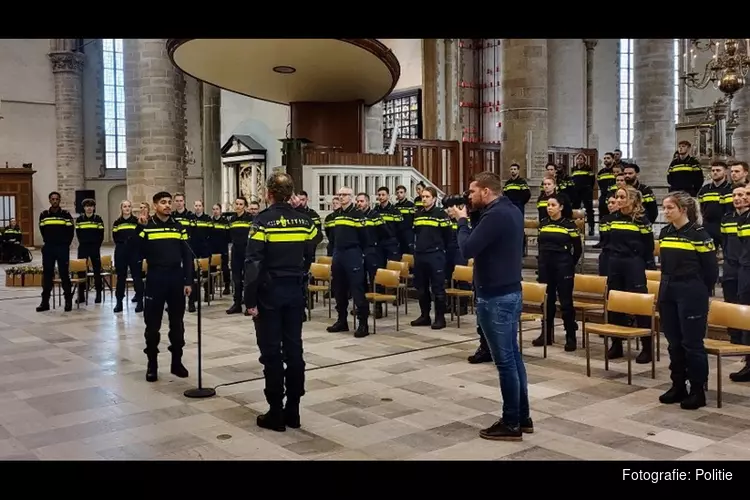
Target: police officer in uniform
[219,241]
[743,276]
[685,172]
[433,234]
[583,189]
[732,252]
[279,252]
[328,224]
[301,200]
[605,178]
[127,255]
[516,188]
[349,244]
[604,234]
[376,232]
[631,171]
[12,242]
[406,230]
[239,228]
[689,271]
[186,219]
[715,200]
[388,245]
[90,233]
[56,226]
[163,243]
[201,245]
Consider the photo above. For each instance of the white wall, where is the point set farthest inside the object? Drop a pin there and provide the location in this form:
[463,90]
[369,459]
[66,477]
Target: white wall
[606,67]
[27,134]
[408,51]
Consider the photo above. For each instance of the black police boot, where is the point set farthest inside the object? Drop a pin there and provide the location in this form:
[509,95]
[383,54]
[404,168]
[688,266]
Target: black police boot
[615,350]
[291,413]
[235,309]
[152,369]
[98,298]
[227,291]
[135,299]
[378,311]
[696,399]
[363,329]
[571,343]
[741,376]
[463,307]
[177,368]
[339,326]
[68,303]
[644,356]
[439,322]
[118,306]
[422,320]
[482,355]
[43,306]
[81,296]
[548,335]
[191,307]
[273,419]
[500,431]
[139,307]
[676,394]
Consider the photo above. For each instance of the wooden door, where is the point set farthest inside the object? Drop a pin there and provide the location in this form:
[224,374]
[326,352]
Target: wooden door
[17,200]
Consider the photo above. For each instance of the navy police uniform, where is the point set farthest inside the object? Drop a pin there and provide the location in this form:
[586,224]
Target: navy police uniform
[743,287]
[201,245]
[407,209]
[239,228]
[349,244]
[689,271]
[603,235]
[280,250]
[90,233]
[388,245]
[715,201]
[328,230]
[12,244]
[583,192]
[685,175]
[127,256]
[560,249]
[605,179]
[170,269]
[219,242]
[433,234]
[57,231]
[518,192]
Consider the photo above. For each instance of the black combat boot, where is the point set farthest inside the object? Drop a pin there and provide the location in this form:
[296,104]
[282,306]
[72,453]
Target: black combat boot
[363,329]
[696,399]
[177,368]
[139,307]
[68,302]
[43,306]
[339,326]
[291,413]
[191,307]
[439,322]
[273,419]
[81,296]
[98,298]
[135,299]
[235,309]
[152,368]
[741,376]
[118,306]
[422,320]
[615,350]
[527,426]
[378,310]
[227,291]
[547,335]
[676,394]
[482,355]
[571,343]
[644,356]
[463,306]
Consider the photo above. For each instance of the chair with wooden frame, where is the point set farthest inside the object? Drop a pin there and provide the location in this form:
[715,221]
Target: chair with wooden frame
[319,273]
[403,270]
[390,280]
[653,288]
[636,304]
[589,295]
[106,274]
[76,267]
[532,225]
[203,276]
[216,276]
[534,297]
[652,275]
[324,259]
[725,315]
[461,274]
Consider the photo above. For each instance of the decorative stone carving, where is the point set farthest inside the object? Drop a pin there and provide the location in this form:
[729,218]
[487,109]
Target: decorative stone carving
[67,62]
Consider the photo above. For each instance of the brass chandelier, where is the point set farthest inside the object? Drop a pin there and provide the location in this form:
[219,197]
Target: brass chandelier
[726,69]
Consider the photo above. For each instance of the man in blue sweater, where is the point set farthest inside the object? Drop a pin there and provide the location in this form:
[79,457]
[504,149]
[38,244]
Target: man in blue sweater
[496,244]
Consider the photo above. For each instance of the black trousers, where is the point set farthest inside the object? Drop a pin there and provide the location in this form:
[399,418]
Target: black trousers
[585,197]
[348,277]
[372,261]
[429,275]
[278,328]
[201,254]
[558,272]
[238,273]
[603,208]
[628,274]
[683,309]
[92,252]
[164,287]
[55,254]
[126,258]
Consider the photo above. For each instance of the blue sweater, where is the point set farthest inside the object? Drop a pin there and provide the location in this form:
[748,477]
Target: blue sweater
[496,245]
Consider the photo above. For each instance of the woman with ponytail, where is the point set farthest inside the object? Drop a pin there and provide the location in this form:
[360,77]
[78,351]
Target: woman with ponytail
[689,270]
[125,235]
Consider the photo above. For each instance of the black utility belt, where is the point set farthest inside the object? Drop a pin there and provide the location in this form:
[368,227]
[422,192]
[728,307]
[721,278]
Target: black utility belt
[679,278]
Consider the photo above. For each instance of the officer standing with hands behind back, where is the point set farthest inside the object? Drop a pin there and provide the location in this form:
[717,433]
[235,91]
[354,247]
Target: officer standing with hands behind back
[56,226]
[280,249]
[90,233]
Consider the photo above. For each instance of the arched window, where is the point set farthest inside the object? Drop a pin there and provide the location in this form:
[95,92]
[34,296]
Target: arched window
[115,155]
[626,97]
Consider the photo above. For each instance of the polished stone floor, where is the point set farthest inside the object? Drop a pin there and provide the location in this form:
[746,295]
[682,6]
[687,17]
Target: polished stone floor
[72,387]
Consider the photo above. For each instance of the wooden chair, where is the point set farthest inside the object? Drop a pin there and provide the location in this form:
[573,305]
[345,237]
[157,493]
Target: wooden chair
[529,226]
[653,289]
[75,267]
[390,280]
[106,273]
[409,259]
[725,315]
[534,297]
[203,275]
[461,274]
[652,275]
[592,291]
[324,259]
[216,276]
[319,273]
[638,304]
[403,271]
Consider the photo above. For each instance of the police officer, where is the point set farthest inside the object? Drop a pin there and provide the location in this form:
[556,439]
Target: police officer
[583,189]
[550,189]
[127,255]
[516,188]
[12,242]
[453,258]
[279,252]
[630,244]
[603,235]
[689,271]
[56,226]
[302,200]
[406,230]
[186,219]
[433,233]
[559,251]
[685,172]
[201,244]
[373,258]
[732,251]
[604,179]
[743,275]
[349,244]
[239,228]
[219,241]
[163,243]
[715,200]
[389,245]
[418,204]
[631,171]
[90,233]
[328,224]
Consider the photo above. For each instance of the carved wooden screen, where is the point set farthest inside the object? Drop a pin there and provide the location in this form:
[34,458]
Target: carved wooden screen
[567,158]
[480,157]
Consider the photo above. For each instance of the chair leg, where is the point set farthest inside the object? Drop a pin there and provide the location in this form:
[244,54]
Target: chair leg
[583,327]
[630,364]
[654,353]
[397,316]
[718,380]
[374,320]
[588,352]
[658,342]
[606,352]
[544,333]
[457,307]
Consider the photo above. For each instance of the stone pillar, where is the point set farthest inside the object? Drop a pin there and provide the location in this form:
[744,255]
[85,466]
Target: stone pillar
[211,132]
[590,45]
[374,129]
[523,111]
[653,108]
[155,120]
[741,138]
[67,67]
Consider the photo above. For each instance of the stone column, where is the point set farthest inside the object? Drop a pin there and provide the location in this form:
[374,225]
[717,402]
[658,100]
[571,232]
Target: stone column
[653,108]
[67,67]
[741,138]
[374,129]
[211,132]
[590,45]
[523,111]
[155,120]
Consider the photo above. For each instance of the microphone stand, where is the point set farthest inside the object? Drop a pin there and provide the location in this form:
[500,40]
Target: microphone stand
[200,391]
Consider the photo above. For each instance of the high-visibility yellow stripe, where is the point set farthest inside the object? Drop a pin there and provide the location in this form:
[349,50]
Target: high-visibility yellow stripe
[56,222]
[288,235]
[577,173]
[123,227]
[167,235]
[682,244]
[90,225]
[729,228]
[711,197]
[431,222]
[341,221]
[541,204]
[606,177]
[239,224]
[553,229]
[516,187]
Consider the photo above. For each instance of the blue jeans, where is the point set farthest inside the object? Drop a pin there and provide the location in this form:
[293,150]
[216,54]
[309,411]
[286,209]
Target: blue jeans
[498,317]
